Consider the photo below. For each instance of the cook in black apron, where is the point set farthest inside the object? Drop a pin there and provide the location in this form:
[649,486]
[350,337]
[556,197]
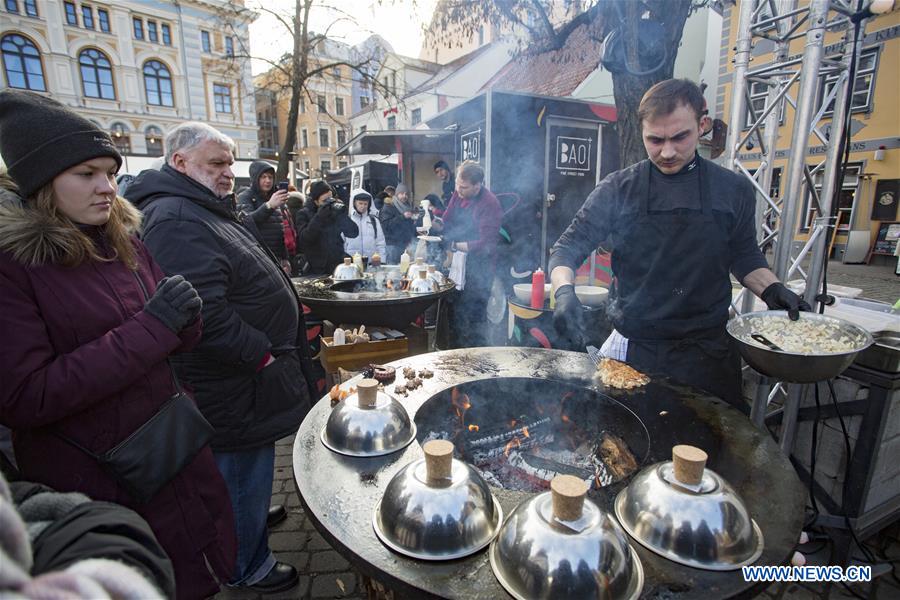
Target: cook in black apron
[671,301]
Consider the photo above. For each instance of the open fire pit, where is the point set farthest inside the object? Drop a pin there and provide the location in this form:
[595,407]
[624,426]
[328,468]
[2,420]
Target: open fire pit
[520,433]
[522,415]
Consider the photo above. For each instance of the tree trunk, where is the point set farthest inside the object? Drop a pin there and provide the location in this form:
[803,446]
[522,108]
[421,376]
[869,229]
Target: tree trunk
[299,66]
[628,89]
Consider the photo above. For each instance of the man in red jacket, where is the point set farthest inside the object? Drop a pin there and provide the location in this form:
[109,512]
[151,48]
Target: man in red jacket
[471,224]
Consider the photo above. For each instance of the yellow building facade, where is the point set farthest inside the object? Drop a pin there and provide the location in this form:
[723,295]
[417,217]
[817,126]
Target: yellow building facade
[869,196]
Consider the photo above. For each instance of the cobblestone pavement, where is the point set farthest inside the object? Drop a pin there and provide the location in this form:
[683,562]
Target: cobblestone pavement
[324,573]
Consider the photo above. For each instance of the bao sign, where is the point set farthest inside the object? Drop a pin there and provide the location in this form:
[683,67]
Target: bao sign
[470,146]
[573,155]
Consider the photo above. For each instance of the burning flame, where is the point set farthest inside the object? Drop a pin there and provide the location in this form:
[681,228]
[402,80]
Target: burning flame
[525,431]
[565,419]
[514,443]
[473,427]
[390,285]
[461,404]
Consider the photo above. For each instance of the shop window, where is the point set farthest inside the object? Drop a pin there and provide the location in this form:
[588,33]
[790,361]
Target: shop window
[87,16]
[71,15]
[758,93]
[119,134]
[96,74]
[103,20]
[22,63]
[222,98]
[154,139]
[158,84]
[863,87]
[844,204]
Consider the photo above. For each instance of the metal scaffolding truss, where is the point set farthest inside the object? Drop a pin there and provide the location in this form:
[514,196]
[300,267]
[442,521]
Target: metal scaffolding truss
[796,81]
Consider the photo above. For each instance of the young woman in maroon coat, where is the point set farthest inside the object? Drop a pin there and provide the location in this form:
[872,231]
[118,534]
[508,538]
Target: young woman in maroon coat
[84,351]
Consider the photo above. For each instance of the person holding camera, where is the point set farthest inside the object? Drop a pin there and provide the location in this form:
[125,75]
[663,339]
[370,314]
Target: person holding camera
[319,228]
[264,205]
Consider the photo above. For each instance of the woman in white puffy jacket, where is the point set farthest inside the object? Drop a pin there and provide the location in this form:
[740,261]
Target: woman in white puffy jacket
[371,236]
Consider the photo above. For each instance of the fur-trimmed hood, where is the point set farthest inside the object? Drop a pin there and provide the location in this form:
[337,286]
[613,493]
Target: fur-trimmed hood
[35,239]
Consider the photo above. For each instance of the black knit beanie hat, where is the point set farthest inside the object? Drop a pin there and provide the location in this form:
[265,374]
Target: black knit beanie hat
[317,189]
[40,138]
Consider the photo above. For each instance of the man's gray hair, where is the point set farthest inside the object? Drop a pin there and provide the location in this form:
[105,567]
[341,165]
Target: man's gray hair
[190,134]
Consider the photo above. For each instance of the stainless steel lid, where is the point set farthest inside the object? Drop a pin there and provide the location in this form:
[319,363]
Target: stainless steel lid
[437,508]
[689,514]
[346,270]
[558,545]
[422,284]
[368,423]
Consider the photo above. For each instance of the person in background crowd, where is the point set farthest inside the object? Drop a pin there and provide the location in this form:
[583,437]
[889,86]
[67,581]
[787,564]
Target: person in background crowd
[471,224]
[251,370]
[399,222]
[88,320]
[448,180]
[66,546]
[680,226]
[322,227]
[379,201]
[436,207]
[371,238]
[264,204]
[295,205]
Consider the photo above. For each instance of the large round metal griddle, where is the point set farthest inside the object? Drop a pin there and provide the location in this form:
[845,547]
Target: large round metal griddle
[395,309]
[339,493]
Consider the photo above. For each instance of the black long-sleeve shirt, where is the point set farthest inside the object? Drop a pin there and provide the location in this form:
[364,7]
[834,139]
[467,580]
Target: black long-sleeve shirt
[611,205]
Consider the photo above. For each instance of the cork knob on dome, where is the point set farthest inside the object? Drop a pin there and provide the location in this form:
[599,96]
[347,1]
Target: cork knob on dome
[438,461]
[368,392]
[689,463]
[567,494]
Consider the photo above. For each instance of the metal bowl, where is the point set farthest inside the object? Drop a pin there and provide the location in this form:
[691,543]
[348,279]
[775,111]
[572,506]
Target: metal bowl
[794,367]
[537,555]
[706,526]
[355,430]
[437,522]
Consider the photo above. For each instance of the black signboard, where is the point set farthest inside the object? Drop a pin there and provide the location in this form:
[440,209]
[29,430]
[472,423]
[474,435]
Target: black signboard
[884,204]
[886,239]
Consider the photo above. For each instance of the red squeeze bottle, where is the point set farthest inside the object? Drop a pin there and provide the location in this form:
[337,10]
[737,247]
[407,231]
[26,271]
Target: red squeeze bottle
[537,289]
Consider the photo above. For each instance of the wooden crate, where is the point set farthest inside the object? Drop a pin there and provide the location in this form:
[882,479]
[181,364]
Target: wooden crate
[354,357]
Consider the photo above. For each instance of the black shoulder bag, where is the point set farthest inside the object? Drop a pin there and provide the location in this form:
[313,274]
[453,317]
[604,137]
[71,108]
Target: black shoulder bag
[159,449]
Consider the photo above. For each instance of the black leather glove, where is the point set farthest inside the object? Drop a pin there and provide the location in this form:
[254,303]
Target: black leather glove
[568,317]
[778,297]
[175,302]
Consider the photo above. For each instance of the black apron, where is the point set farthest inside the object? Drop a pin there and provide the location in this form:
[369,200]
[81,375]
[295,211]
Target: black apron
[673,291]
